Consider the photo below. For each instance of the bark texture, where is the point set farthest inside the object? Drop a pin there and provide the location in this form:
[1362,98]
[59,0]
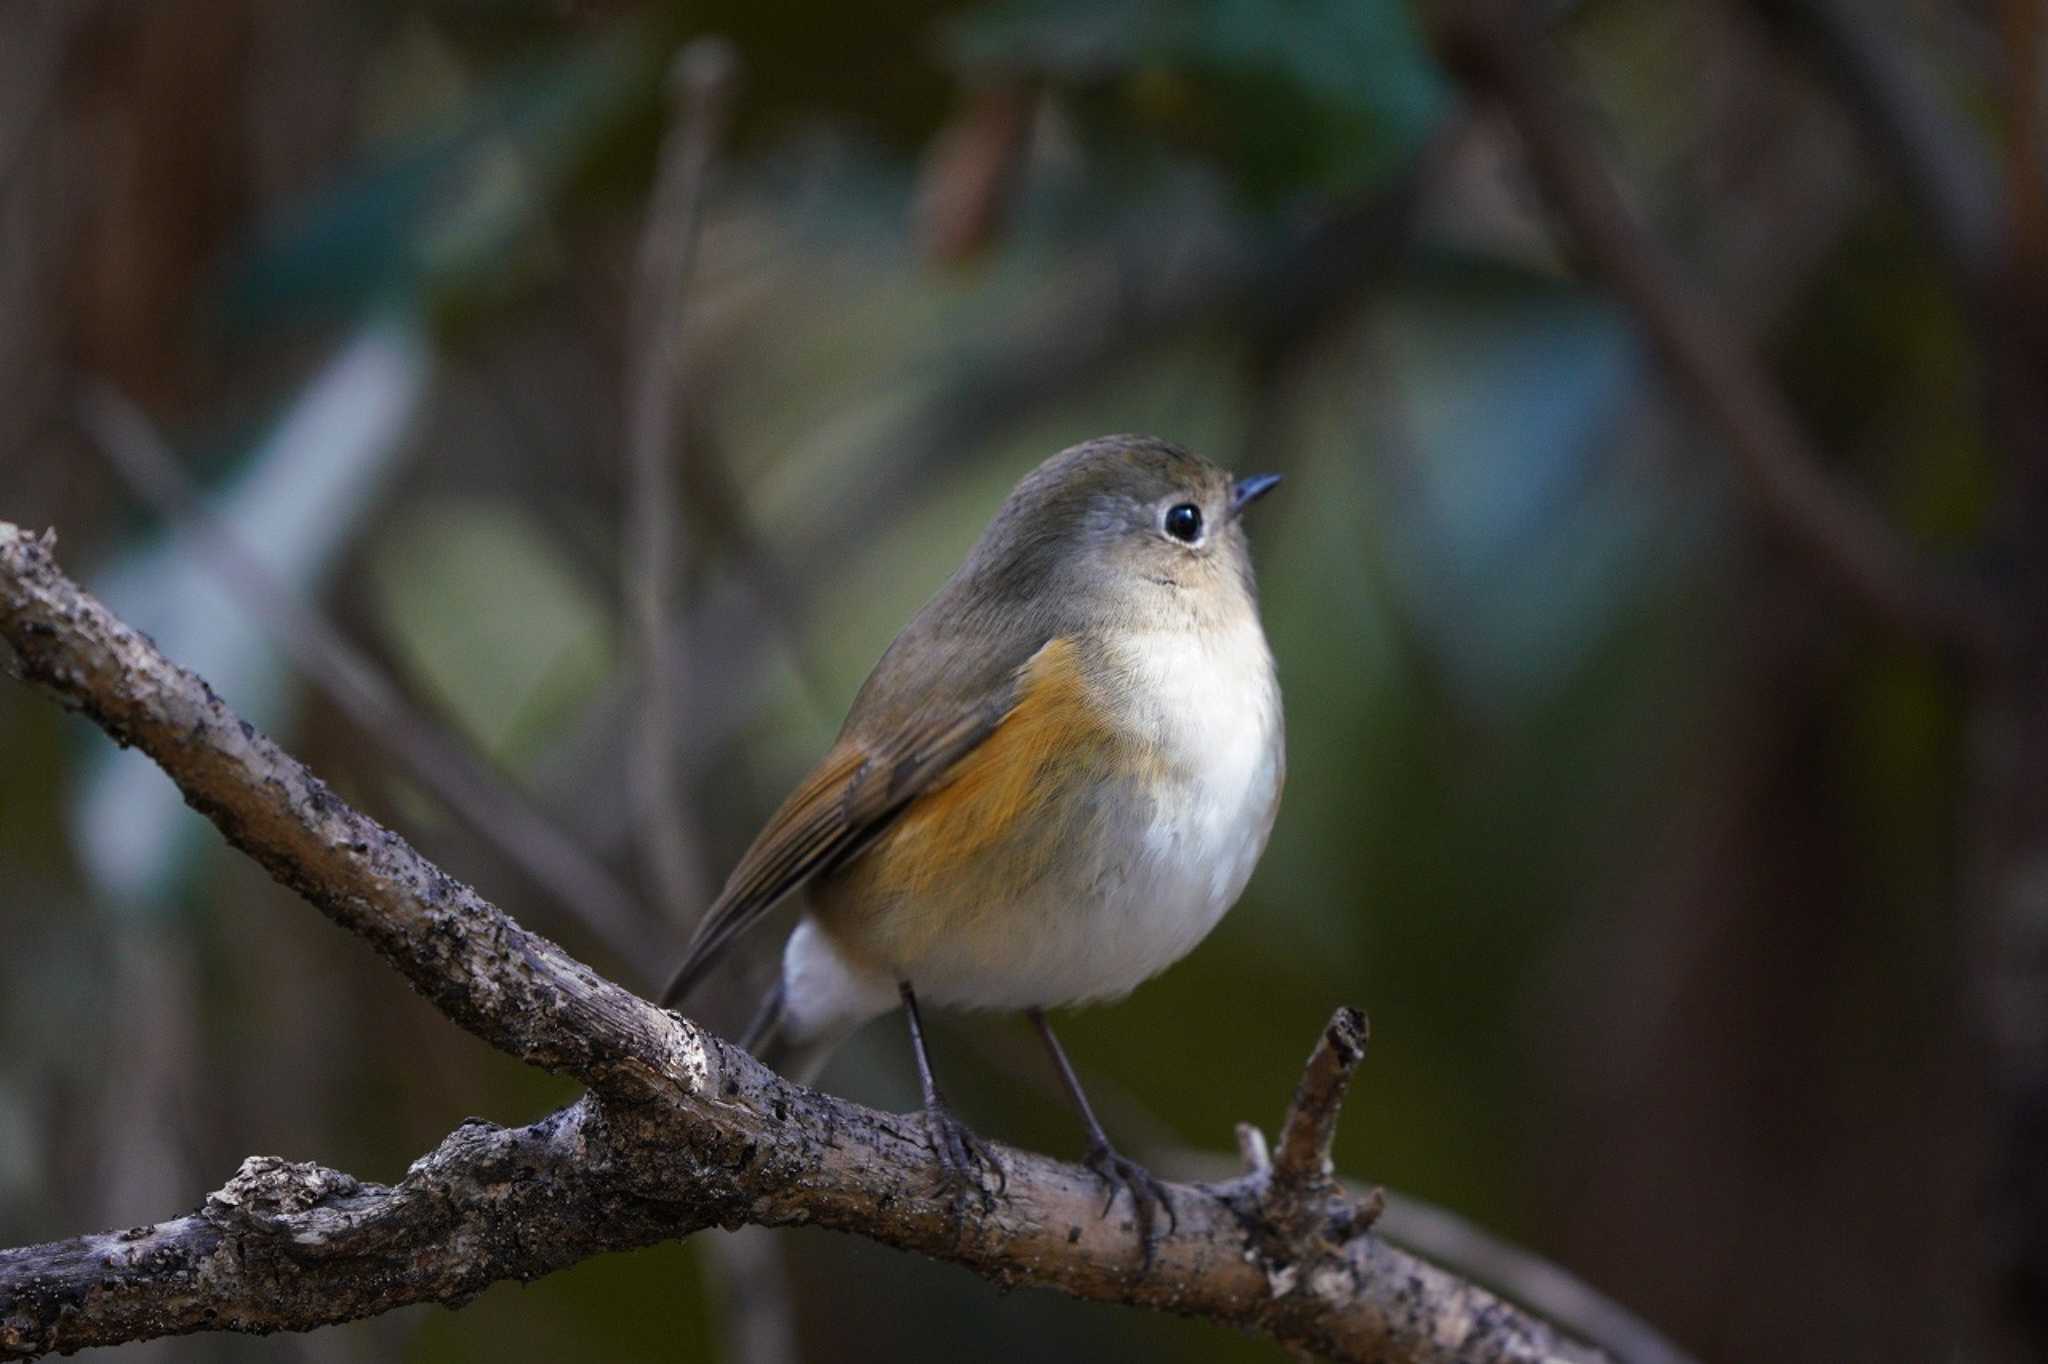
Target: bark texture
[679,1131]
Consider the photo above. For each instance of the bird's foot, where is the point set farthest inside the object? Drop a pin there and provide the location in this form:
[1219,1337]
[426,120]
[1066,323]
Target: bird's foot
[963,1155]
[1119,1173]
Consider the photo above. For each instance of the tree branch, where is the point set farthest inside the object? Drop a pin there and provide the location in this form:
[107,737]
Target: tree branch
[680,1132]
[1935,156]
[456,774]
[1304,1179]
[287,1247]
[1502,55]
[701,80]
[514,989]
[666,403]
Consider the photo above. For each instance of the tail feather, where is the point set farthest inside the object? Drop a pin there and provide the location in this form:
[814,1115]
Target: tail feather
[767,1020]
[770,1042]
[685,979]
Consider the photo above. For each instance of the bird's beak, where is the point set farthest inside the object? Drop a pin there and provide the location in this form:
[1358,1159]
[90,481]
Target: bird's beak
[1246,491]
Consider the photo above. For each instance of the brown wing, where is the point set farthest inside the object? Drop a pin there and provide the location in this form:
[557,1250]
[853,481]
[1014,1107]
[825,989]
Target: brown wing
[849,800]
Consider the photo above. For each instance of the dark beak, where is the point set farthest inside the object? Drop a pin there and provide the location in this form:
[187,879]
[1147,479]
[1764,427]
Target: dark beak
[1246,491]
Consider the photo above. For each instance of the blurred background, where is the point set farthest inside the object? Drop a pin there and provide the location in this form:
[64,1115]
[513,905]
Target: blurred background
[542,438]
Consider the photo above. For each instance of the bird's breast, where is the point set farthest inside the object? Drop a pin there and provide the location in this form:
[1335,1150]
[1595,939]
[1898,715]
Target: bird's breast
[1091,842]
[1207,705]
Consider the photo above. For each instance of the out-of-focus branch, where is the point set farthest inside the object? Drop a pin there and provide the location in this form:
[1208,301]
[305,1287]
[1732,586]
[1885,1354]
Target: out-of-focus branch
[702,82]
[32,59]
[2009,817]
[680,1131]
[715,487]
[1990,223]
[970,172]
[1303,281]
[1442,1236]
[1471,1252]
[665,408]
[1503,57]
[1951,186]
[491,808]
[513,988]
[2026,179]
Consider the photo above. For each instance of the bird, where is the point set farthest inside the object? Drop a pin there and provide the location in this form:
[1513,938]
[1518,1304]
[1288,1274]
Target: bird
[1054,783]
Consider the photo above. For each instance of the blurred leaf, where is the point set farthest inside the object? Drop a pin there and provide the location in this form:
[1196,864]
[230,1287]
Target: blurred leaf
[486,611]
[446,209]
[293,504]
[1502,394]
[1291,94]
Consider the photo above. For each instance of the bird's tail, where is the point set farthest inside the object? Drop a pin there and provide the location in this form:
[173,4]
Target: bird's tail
[770,1041]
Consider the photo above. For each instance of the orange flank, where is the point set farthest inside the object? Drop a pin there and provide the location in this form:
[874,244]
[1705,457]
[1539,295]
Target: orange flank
[1004,783]
[982,821]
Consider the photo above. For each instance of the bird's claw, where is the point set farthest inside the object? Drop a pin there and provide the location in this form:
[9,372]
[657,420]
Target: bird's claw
[963,1155]
[1119,1173]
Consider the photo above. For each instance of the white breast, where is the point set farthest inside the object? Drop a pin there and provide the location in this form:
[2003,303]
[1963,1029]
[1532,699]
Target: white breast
[1207,706]
[1213,702]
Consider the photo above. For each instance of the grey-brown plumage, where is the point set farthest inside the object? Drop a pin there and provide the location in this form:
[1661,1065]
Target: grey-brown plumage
[1057,778]
[1067,556]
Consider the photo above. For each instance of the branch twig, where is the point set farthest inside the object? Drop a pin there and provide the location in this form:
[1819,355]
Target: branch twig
[680,1131]
[285,1246]
[2026,182]
[1304,1179]
[1450,1240]
[1503,56]
[1303,1159]
[701,80]
[491,808]
[1936,158]
[752,1287]
[513,988]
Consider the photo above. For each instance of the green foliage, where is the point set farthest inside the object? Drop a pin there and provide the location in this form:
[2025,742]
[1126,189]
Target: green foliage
[483,611]
[1289,96]
[443,208]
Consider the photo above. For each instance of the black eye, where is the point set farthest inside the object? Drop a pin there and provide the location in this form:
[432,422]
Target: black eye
[1184,522]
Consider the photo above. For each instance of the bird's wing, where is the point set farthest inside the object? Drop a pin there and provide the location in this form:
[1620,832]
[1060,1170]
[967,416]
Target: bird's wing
[849,800]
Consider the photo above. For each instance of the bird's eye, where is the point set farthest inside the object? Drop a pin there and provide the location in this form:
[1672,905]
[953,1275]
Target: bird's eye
[1184,522]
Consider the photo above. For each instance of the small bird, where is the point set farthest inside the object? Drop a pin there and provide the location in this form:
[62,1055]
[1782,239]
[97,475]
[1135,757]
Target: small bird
[1054,783]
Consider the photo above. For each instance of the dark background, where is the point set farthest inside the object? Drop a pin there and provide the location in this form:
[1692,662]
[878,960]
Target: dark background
[1640,843]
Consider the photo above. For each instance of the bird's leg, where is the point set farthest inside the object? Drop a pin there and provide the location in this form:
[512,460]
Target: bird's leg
[957,1148]
[1115,1170]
